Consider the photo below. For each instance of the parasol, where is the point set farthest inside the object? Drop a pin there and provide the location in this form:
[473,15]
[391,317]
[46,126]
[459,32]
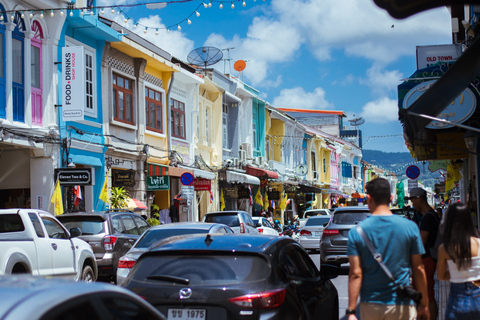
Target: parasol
[135,205]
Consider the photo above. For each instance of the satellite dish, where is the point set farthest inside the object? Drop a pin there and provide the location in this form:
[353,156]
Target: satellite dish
[239,65]
[205,56]
[357,121]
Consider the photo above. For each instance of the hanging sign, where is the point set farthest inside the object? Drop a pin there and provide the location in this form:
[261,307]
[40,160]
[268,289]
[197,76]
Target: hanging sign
[74,176]
[121,178]
[202,184]
[73,83]
[155,183]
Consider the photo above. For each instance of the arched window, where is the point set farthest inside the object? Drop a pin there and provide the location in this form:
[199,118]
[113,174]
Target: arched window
[3,101]
[18,78]
[36,76]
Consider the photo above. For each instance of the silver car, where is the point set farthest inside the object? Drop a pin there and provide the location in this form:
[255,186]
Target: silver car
[312,231]
[35,298]
[264,226]
[157,233]
[239,221]
[333,244]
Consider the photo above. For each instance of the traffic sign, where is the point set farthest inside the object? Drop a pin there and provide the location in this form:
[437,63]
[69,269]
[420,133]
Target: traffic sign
[413,172]
[186,179]
[188,192]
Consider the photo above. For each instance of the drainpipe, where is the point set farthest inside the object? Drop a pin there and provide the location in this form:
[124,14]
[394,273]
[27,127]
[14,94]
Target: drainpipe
[169,114]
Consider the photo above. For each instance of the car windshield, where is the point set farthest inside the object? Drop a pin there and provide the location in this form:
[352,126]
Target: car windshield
[229,220]
[88,225]
[349,217]
[316,213]
[204,269]
[152,236]
[320,221]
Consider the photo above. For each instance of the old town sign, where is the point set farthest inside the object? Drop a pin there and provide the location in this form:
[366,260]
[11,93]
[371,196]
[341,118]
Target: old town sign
[401,9]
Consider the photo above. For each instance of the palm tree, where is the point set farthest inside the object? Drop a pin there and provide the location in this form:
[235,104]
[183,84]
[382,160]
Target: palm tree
[119,197]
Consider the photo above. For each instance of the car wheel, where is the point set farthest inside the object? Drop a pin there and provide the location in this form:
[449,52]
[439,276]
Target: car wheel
[87,274]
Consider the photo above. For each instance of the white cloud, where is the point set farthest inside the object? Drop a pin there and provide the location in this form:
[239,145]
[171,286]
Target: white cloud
[380,111]
[298,98]
[381,81]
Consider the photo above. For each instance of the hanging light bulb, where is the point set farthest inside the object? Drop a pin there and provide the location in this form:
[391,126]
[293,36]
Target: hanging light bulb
[156,32]
[145,31]
[168,30]
[189,22]
[197,13]
[61,12]
[52,14]
[233,5]
[210,4]
[113,11]
[221,5]
[135,25]
[205,5]
[244,3]
[71,13]
[82,13]
[31,14]
[1,17]
[102,11]
[91,12]
[178,27]
[125,21]
[22,15]
[41,14]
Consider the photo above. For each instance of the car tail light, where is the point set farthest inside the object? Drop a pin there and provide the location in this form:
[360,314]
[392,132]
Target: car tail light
[260,230]
[305,233]
[262,300]
[126,263]
[242,228]
[109,242]
[327,233]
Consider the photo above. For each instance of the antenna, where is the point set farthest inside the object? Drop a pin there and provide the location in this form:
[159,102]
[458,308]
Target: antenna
[228,59]
[356,121]
[240,65]
[205,56]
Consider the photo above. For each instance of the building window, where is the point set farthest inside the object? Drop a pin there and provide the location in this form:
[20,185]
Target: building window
[18,84]
[122,99]
[153,110]
[207,131]
[178,118]
[36,74]
[324,165]
[3,109]
[254,126]
[225,126]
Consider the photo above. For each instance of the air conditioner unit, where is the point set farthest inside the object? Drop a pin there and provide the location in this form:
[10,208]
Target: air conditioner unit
[235,162]
[255,161]
[247,147]
[261,160]
[242,155]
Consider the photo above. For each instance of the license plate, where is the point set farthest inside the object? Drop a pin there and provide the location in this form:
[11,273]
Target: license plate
[318,233]
[187,314]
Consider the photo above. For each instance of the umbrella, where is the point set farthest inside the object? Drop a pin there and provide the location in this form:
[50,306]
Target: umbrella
[135,205]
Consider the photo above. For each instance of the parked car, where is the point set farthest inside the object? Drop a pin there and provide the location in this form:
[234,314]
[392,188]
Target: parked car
[38,298]
[239,221]
[234,277]
[311,233]
[333,243]
[264,226]
[156,233]
[110,233]
[33,241]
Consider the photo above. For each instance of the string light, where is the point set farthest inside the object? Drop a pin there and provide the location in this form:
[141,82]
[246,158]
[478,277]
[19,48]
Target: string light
[210,4]
[31,14]
[1,17]
[22,15]
[189,22]
[102,11]
[221,5]
[205,5]
[71,13]
[61,12]
[178,27]
[13,17]
[91,12]
[233,5]
[145,31]
[135,25]
[82,13]
[52,14]
[126,20]
[156,32]
[113,11]
[197,13]
[244,3]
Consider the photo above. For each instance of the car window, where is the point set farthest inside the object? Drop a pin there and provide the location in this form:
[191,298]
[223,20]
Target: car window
[349,217]
[54,230]
[11,223]
[229,220]
[203,269]
[36,225]
[117,225]
[317,221]
[129,225]
[75,309]
[305,264]
[154,235]
[90,225]
[141,224]
[248,220]
[289,264]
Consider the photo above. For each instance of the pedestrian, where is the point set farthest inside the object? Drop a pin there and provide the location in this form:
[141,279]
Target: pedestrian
[429,225]
[459,262]
[398,242]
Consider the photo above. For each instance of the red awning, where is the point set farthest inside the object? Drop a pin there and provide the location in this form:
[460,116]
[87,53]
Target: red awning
[262,173]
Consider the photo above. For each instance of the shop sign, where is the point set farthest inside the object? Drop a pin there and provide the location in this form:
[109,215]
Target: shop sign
[243,193]
[460,110]
[155,183]
[273,195]
[74,176]
[188,192]
[202,184]
[73,83]
[451,146]
[182,148]
[291,195]
[428,55]
[230,193]
[121,178]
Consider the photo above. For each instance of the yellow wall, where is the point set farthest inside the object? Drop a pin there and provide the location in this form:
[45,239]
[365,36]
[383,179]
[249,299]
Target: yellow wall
[278,130]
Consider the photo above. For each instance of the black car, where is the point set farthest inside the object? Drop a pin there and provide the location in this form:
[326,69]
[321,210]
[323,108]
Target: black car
[110,233]
[213,277]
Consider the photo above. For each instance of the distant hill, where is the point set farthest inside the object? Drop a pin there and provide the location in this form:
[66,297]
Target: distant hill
[397,162]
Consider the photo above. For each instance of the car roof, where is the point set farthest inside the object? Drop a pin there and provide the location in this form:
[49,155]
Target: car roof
[226,212]
[104,214]
[319,217]
[220,242]
[352,209]
[188,225]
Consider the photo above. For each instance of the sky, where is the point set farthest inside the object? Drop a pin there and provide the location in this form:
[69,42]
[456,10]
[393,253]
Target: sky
[346,55]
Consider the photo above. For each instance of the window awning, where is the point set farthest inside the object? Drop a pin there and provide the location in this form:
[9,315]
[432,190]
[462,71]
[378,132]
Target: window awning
[237,177]
[309,189]
[261,173]
[154,169]
[177,172]
[202,174]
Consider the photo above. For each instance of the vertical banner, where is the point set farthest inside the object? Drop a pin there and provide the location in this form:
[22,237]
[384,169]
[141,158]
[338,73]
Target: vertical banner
[73,83]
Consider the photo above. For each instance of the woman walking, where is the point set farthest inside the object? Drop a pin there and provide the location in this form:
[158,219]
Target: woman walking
[459,262]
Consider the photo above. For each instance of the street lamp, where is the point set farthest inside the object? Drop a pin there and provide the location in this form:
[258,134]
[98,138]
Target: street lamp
[471,140]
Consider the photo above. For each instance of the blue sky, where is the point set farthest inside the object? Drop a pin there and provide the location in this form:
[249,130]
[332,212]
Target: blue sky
[312,54]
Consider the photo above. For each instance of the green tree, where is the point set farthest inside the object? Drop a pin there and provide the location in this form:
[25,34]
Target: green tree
[119,197]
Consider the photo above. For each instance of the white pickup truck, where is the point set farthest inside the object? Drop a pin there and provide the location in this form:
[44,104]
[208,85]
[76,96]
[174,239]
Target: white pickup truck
[33,241]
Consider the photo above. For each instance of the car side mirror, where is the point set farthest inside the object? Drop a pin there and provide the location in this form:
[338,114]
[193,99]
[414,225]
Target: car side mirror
[75,232]
[329,271]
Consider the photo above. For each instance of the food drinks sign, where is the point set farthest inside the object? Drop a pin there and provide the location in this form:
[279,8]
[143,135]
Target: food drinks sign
[73,83]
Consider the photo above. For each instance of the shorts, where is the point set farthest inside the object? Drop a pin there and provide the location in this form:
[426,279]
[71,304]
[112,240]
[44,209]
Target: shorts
[430,266]
[374,311]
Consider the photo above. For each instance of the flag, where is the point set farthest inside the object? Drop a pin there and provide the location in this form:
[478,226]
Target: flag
[211,196]
[250,194]
[272,204]
[222,201]
[259,198]
[57,199]
[78,194]
[265,201]
[453,175]
[283,203]
[104,193]
[178,196]
[334,201]
[314,202]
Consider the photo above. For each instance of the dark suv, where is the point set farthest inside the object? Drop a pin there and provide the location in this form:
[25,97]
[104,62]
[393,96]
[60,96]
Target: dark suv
[110,233]
[333,244]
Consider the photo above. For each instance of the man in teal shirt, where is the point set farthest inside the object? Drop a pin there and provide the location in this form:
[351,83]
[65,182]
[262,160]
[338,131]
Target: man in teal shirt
[398,241]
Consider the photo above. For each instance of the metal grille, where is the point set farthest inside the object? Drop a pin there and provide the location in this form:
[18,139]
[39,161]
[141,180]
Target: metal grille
[120,66]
